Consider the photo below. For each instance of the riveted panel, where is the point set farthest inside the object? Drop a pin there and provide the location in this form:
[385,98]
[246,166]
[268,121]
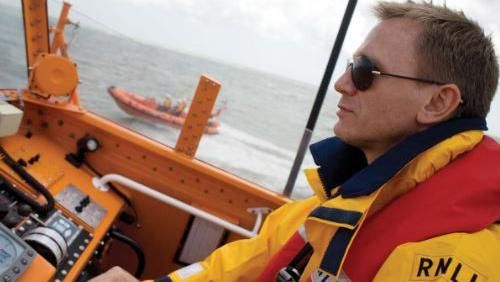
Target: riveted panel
[36,29]
[198,115]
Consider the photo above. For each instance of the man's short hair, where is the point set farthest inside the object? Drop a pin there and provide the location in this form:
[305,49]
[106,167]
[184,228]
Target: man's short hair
[452,48]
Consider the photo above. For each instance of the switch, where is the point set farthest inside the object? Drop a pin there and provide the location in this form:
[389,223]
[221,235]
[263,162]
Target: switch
[24,209]
[12,218]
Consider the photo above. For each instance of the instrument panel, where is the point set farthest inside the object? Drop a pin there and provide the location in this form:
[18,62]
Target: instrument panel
[15,255]
[60,236]
[49,208]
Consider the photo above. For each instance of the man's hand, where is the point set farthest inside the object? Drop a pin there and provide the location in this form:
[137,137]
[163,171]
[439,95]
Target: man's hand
[115,274]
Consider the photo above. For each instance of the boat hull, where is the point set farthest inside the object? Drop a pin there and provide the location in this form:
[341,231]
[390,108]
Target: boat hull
[146,110]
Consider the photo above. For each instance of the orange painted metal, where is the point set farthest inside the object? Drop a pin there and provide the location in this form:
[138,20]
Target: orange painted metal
[39,270]
[155,165]
[52,161]
[58,42]
[54,126]
[53,75]
[74,99]
[198,115]
[36,29]
[51,102]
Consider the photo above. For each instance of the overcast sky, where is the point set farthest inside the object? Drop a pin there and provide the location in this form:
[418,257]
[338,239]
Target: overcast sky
[291,38]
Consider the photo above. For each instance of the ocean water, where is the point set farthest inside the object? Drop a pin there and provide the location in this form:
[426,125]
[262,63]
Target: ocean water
[263,118]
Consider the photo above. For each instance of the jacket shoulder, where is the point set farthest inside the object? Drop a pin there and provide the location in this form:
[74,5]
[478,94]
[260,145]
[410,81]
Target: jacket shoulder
[451,257]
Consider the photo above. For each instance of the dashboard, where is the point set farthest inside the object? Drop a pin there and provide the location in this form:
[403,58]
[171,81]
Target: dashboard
[61,237]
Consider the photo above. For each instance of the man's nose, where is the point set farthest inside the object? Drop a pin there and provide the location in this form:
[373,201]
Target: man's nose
[344,84]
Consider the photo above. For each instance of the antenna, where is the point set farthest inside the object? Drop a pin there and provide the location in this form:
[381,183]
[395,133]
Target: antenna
[320,96]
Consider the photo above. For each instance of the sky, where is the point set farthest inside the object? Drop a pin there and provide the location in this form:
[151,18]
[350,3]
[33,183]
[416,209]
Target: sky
[290,38]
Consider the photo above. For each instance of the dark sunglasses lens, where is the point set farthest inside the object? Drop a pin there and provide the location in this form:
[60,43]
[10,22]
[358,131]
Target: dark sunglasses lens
[361,72]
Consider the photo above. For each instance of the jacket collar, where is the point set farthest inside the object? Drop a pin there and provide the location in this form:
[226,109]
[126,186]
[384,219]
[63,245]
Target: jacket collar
[345,165]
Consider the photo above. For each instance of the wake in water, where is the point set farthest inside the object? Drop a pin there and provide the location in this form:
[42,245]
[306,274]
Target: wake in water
[252,158]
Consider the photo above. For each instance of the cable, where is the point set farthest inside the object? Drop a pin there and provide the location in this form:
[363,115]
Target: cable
[32,182]
[141,260]
[117,32]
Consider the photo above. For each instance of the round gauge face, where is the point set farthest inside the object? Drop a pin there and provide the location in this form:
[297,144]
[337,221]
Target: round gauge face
[8,252]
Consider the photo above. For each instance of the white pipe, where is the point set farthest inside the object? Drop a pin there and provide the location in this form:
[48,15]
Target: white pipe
[259,212]
[101,185]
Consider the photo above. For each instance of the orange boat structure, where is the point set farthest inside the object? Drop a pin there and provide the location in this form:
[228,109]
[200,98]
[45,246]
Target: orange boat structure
[80,193]
[149,110]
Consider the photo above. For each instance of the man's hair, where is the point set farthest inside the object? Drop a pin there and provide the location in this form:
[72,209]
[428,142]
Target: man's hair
[452,48]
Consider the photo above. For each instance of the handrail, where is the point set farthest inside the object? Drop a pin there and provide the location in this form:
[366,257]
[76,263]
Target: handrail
[101,184]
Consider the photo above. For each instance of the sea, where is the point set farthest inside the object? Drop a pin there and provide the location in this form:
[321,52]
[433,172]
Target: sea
[263,117]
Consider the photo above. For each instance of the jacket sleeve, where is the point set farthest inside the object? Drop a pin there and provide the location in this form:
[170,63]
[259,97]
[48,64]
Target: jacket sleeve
[243,260]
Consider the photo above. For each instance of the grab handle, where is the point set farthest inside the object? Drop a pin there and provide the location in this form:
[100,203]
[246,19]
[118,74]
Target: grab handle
[101,184]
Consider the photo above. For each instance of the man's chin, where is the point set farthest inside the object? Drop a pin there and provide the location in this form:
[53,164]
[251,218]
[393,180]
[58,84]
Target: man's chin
[344,133]
[340,130]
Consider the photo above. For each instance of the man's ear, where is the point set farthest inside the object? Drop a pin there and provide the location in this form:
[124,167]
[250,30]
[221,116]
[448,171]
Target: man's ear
[441,105]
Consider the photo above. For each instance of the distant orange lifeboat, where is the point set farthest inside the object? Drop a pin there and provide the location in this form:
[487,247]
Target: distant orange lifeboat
[147,109]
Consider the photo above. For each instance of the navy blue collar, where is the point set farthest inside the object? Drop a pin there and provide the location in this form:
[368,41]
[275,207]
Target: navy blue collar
[345,165]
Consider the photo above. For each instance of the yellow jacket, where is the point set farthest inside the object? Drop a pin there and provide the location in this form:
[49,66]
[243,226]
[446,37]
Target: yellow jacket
[450,257]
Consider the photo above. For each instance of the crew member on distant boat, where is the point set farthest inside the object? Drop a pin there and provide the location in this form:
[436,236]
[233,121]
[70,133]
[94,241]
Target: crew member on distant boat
[409,189]
[179,107]
[166,105]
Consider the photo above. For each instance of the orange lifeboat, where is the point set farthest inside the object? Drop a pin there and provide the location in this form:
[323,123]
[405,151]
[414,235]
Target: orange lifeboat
[148,109]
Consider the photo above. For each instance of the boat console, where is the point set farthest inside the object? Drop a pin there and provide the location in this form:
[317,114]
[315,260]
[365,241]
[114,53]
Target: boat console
[57,240]
[80,193]
[53,222]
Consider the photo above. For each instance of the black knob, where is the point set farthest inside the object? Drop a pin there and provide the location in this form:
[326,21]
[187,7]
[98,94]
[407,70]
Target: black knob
[12,218]
[24,209]
[85,201]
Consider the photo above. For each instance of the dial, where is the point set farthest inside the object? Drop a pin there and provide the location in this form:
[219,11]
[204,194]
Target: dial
[8,252]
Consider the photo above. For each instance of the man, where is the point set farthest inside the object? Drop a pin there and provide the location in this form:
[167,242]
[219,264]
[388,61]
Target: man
[409,189]
[166,105]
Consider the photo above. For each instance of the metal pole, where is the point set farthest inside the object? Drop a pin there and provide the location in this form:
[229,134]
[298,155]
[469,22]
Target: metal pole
[320,97]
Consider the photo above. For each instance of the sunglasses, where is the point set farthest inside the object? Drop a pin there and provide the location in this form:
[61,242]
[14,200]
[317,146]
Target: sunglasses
[363,72]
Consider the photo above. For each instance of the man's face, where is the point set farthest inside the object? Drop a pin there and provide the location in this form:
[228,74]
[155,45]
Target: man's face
[381,116]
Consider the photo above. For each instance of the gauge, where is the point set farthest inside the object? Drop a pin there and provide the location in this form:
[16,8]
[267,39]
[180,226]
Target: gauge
[8,252]
[15,255]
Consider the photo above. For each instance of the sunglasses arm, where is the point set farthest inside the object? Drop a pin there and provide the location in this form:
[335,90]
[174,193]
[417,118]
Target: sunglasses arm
[407,77]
